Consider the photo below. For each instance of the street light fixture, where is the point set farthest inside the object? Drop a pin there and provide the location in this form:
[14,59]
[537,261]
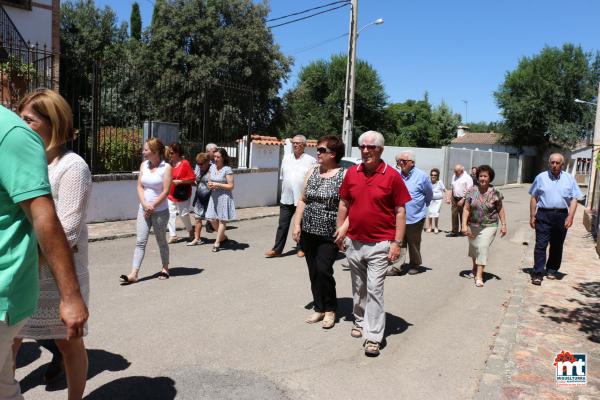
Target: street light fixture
[348,122]
[466,110]
[585,102]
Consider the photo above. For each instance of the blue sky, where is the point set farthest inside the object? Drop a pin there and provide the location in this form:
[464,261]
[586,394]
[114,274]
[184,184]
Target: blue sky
[455,50]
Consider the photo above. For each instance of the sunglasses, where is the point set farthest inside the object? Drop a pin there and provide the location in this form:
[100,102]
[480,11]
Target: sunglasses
[323,150]
[403,161]
[368,147]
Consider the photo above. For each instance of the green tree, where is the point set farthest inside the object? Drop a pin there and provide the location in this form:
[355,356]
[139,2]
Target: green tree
[410,124]
[444,123]
[135,22]
[194,42]
[537,98]
[314,106]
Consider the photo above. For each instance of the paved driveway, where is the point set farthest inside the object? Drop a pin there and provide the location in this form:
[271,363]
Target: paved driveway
[230,325]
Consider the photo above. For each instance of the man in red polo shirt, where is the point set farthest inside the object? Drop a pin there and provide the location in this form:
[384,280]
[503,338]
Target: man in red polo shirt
[372,196]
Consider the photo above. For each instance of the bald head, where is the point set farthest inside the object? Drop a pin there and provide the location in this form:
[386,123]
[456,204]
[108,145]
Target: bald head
[556,162]
[458,169]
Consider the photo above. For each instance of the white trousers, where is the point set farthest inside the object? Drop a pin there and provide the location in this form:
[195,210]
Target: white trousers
[181,208]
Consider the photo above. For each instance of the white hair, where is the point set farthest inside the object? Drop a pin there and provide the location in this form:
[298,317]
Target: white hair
[211,146]
[562,158]
[301,137]
[377,137]
[409,152]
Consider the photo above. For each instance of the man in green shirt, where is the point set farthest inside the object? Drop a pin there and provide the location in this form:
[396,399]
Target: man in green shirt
[28,219]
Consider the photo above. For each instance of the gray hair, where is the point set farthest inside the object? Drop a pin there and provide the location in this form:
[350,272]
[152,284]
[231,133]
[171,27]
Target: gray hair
[211,146]
[410,153]
[562,158]
[378,138]
[301,137]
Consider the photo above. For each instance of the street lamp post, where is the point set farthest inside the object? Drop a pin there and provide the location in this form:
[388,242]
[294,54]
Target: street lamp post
[466,110]
[595,148]
[348,122]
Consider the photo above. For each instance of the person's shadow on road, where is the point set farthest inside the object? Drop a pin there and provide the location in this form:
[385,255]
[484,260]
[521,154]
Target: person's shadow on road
[136,388]
[486,275]
[173,271]
[99,361]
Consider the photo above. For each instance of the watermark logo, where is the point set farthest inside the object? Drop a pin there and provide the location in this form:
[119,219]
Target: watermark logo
[571,369]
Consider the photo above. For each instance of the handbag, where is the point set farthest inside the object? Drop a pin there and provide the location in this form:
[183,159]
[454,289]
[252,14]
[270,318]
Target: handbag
[181,192]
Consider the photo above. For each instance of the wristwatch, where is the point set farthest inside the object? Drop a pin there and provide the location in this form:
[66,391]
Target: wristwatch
[398,242]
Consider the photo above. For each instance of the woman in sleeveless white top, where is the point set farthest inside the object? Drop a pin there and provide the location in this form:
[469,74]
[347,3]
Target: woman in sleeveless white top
[153,186]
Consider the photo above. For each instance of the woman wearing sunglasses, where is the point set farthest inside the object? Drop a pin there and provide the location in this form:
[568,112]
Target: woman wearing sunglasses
[315,224]
[433,212]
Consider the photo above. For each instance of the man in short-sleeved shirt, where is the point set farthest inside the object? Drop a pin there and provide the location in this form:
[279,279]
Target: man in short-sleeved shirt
[23,176]
[461,183]
[294,168]
[554,195]
[372,196]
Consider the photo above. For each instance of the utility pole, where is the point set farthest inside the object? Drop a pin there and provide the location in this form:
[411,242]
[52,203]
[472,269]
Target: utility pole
[348,122]
[595,149]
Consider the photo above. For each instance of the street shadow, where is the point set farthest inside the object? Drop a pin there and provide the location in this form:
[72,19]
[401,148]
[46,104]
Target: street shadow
[486,275]
[184,271]
[234,245]
[98,360]
[586,315]
[559,275]
[28,353]
[420,270]
[136,388]
[394,325]
[290,252]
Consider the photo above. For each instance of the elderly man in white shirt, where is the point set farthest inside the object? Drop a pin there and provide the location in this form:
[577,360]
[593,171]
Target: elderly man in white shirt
[461,182]
[294,168]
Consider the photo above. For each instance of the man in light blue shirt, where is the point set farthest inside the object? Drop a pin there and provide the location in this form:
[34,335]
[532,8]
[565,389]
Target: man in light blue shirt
[554,195]
[420,189]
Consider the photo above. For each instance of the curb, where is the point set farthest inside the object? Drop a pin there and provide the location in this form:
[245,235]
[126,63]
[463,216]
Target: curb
[132,234]
[498,367]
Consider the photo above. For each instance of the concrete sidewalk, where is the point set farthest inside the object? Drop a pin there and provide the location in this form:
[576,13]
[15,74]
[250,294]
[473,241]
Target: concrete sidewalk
[561,315]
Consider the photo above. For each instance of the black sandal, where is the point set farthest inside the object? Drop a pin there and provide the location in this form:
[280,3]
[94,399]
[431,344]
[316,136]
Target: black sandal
[163,275]
[125,280]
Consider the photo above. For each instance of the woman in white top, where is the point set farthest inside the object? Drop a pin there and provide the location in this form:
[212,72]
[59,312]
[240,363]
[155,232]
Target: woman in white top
[153,187]
[433,212]
[49,115]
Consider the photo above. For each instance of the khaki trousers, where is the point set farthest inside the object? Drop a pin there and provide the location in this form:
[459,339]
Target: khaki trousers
[9,387]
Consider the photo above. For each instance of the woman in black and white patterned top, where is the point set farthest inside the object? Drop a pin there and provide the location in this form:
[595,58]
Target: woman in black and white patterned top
[315,222]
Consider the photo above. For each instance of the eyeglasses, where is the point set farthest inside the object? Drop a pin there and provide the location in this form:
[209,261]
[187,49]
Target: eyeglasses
[434,175]
[297,143]
[403,161]
[369,147]
[323,150]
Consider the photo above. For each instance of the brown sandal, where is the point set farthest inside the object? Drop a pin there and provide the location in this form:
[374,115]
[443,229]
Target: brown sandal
[371,349]
[315,317]
[356,331]
[328,321]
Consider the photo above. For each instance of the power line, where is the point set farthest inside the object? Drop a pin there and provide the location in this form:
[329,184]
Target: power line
[303,49]
[305,11]
[309,16]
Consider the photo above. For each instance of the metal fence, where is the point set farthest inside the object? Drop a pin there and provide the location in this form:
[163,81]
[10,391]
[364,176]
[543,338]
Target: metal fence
[499,161]
[111,103]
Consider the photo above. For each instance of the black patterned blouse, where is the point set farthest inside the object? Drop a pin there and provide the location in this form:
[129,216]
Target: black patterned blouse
[322,198]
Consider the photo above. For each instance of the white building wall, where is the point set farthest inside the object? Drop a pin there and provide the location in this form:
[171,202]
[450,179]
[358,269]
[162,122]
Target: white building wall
[35,25]
[425,158]
[117,200]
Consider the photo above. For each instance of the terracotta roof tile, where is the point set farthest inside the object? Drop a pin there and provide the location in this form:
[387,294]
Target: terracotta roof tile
[477,138]
[275,141]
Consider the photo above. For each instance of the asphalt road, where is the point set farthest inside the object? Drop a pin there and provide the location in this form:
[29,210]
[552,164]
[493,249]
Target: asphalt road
[230,325]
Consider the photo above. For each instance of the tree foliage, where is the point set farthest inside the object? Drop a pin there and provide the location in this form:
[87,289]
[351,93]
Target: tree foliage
[135,22]
[537,98]
[315,106]
[192,42]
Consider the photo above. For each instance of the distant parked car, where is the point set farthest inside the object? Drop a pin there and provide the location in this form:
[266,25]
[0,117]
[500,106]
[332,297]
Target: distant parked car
[347,162]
